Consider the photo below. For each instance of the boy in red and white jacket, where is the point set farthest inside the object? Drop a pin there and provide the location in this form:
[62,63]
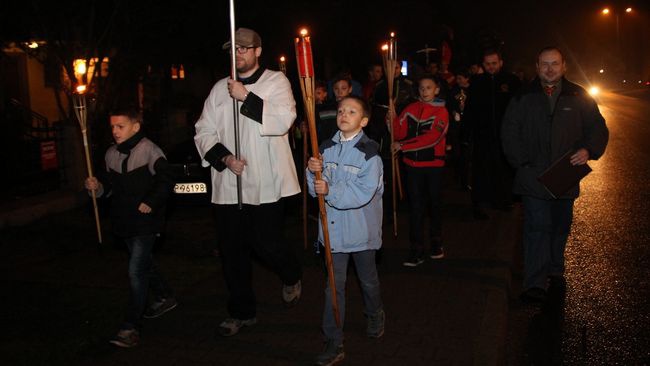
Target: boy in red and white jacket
[419,133]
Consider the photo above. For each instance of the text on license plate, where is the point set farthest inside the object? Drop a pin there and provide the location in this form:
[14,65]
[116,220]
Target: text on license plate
[190,188]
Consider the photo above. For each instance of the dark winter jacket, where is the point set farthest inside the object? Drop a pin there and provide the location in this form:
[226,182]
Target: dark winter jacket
[534,135]
[487,100]
[137,172]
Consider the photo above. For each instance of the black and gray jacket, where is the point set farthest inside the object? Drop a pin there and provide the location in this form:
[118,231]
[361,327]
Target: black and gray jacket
[137,172]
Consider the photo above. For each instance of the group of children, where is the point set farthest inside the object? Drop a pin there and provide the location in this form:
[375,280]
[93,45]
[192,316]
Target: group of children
[352,182]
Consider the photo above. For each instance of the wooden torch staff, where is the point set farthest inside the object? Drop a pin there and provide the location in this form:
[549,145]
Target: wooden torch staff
[306,76]
[305,157]
[389,57]
[80,110]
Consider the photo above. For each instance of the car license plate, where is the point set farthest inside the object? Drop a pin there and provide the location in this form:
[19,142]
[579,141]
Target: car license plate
[183,188]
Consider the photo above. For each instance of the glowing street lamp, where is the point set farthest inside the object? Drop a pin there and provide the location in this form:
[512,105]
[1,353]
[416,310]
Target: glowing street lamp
[607,11]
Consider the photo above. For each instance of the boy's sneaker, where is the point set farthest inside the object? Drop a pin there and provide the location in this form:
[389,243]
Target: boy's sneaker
[160,307]
[332,354]
[291,294]
[437,253]
[126,338]
[376,323]
[231,326]
[414,259]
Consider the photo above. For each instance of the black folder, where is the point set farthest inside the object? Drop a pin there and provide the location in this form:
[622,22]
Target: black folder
[561,175]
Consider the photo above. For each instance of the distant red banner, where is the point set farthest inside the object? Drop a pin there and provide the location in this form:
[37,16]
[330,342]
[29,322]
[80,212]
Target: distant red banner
[49,159]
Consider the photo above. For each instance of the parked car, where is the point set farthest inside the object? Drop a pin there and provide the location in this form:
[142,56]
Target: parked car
[192,181]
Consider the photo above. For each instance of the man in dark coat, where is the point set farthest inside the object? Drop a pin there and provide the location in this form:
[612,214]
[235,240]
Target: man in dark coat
[551,117]
[489,95]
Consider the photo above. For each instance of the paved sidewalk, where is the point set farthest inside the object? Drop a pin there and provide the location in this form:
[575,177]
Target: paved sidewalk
[66,297]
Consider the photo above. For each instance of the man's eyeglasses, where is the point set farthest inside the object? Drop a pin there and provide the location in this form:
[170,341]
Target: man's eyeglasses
[242,49]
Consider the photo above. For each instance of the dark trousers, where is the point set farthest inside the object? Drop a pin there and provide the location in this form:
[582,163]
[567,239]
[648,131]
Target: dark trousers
[492,176]
[255,229]
[420,183]
[364,262]
[547,225]
[143,276]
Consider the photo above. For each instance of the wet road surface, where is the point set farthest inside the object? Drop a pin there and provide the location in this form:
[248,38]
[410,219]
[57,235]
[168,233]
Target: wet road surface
[604,317]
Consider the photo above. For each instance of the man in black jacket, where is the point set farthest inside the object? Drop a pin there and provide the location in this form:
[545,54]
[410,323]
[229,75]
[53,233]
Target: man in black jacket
[551,117]
[488,96]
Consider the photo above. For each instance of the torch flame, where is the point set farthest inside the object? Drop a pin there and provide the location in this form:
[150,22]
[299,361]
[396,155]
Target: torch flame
[304,32]
[282,59]
[81,89]
[384,47]
[392,34]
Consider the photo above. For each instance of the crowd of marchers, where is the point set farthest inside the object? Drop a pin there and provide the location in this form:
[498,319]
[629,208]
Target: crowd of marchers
[495,133]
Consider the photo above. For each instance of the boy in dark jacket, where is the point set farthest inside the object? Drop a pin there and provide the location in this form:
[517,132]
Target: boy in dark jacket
[138,182]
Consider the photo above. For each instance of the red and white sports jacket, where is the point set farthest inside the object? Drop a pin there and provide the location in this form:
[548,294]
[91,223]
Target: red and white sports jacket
[421,129]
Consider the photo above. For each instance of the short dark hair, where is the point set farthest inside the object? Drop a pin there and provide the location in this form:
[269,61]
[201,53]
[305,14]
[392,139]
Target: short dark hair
[548,49]
[320,84]
[464,72]
[372,66]
[130,112]
[362,102]
[492,51]
[342,77]
[431,77]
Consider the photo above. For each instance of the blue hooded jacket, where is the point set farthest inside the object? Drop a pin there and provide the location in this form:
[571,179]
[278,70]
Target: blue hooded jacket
[353,171]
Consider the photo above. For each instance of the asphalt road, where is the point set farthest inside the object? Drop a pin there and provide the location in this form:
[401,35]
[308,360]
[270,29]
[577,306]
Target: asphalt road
[603,318]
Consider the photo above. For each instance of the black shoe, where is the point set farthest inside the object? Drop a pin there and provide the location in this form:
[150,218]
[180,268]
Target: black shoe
[332,354]
[414,259]
[533,295]
[160,307]
[437,253]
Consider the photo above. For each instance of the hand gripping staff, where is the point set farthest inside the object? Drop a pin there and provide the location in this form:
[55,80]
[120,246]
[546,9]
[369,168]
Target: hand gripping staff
[235,103]
[306,77]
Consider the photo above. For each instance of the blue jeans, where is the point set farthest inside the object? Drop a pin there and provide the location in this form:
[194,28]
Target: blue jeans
[367,271]
[143,275]
[547,225]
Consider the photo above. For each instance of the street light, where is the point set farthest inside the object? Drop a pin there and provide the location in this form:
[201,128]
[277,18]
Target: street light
[617,11]
[607,11]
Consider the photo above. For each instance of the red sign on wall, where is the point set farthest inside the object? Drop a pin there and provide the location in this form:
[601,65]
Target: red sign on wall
[49,160]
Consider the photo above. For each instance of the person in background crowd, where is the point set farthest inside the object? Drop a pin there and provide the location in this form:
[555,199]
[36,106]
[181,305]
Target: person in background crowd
[489,95]
[375,73]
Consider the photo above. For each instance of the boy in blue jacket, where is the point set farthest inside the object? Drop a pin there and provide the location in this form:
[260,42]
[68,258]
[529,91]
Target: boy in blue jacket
[352,183]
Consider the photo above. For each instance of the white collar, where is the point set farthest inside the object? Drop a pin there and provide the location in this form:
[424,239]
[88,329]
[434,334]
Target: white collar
[343,139]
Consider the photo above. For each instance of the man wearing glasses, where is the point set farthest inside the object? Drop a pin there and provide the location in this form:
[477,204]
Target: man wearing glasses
[266,112]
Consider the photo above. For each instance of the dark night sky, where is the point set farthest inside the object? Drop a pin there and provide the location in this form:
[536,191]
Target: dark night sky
[350,32]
